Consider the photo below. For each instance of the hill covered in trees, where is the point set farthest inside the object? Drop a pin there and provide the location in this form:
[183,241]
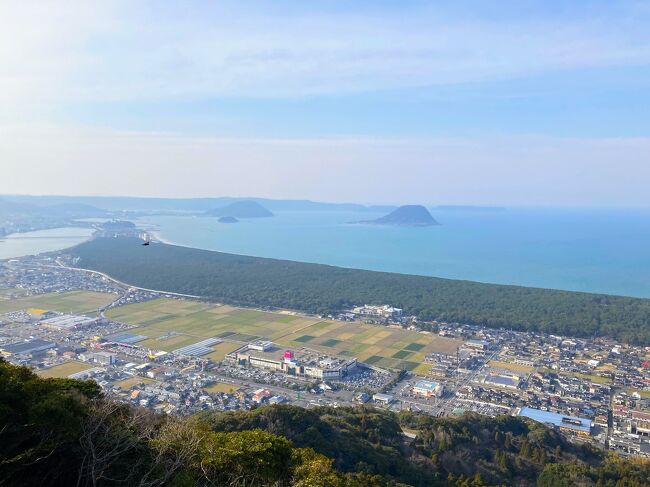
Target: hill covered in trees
[241,209]
[60,432]
[406,216]
[321,289]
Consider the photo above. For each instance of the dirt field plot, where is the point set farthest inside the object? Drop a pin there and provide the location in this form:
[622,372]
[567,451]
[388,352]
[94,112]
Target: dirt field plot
[222,387]
[422,369]
[127,384]
[522,369]
[222,349]
[64,370]
[76,302]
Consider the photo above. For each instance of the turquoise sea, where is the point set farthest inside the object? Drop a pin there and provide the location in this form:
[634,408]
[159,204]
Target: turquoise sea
[605,251]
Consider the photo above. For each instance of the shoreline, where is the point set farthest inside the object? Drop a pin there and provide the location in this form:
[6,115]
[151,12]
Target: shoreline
[596,293]
[545,261]
[157,238]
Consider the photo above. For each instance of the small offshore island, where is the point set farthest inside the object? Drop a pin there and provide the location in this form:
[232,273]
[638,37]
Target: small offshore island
[228,219]
[406,216]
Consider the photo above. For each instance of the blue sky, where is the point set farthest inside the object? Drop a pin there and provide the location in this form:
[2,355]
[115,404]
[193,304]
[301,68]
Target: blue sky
[586,103]
[441,102]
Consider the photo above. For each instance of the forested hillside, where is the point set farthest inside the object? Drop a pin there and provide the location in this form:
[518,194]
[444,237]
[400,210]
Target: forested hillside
[62,432]
[315,288]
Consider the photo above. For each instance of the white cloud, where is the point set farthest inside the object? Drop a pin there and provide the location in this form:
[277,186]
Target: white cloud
[508,170]
[60,53]
[116,50]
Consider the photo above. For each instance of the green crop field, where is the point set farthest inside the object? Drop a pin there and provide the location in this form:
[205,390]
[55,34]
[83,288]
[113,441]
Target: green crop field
[75,302]
[170,324]
[304,338]
[402,354]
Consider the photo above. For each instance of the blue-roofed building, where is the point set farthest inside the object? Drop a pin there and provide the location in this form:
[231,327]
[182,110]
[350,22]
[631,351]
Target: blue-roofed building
[571,424]
[428,388]
[27,347]
[198,349]
[125,337]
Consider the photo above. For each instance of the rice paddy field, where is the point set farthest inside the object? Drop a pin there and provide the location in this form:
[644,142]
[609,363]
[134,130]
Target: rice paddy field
[75,302]
[170,324]
[64,370]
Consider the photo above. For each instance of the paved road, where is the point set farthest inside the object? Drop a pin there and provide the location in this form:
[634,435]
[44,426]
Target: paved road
[124,284]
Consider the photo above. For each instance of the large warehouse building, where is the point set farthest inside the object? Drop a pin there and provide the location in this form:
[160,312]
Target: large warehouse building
[26,347]
[427,388]
[68,322]
[307,363]
[569,424]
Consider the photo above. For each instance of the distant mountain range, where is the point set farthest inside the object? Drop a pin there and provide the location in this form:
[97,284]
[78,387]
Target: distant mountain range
[97,206]
[198,205]
[468,208]
[12,210]
[241,209]
[406,216]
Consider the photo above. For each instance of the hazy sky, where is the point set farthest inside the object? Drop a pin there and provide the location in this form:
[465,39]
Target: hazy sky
[510,103]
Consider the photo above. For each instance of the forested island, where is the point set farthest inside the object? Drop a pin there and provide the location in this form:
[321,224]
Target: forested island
[241,209]
[406,216]
[322,289]
[65,432]
[227,219]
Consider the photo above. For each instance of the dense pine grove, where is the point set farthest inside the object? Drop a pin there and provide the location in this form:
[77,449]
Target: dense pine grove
[321,289]
[62,432]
